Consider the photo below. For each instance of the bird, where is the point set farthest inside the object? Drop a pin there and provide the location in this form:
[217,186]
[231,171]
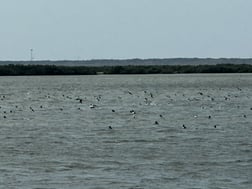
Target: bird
[184,126]
[132,111]
[130,92]
[110,127]
[92,106]
[156,123]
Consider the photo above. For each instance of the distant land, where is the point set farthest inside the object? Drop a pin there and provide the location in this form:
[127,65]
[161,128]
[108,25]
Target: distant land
[21,69]
[134,62]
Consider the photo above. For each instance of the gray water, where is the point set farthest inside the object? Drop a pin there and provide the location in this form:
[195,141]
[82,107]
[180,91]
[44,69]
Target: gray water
[201,138]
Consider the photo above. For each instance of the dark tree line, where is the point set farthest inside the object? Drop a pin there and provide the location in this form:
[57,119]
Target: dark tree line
[134,62]
[17,70]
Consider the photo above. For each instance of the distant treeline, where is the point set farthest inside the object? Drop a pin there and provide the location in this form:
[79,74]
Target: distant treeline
[17,70]
[134,62]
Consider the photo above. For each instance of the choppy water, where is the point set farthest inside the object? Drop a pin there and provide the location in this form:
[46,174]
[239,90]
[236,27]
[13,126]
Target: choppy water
[48,139]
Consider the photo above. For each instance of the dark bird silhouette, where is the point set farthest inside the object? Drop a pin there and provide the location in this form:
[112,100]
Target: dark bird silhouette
[110,127]
[130,92]
[132,111]
[184,126]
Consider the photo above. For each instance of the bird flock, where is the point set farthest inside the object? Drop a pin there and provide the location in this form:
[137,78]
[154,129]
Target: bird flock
[137,103]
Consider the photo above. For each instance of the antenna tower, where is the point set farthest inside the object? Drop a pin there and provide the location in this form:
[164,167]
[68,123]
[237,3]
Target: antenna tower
[31,50]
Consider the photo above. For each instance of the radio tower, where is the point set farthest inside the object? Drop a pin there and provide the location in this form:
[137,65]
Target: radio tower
[31,50]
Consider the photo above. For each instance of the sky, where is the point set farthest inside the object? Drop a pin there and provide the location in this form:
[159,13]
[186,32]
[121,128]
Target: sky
[123,29]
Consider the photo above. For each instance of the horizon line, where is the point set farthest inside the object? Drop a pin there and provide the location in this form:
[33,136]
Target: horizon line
[123,59]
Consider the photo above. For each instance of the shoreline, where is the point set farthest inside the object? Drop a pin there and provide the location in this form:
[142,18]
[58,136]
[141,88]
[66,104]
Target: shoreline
[43,70]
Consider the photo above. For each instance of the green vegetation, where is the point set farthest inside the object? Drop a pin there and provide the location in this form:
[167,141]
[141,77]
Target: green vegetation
[8,70]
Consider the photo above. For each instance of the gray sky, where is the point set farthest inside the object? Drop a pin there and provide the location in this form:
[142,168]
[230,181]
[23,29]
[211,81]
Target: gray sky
[95,29]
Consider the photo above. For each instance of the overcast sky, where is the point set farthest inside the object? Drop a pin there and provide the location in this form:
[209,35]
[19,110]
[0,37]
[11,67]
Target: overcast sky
[96,29]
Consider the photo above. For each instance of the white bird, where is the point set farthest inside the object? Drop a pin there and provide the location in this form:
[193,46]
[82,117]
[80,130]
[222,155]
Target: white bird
[92,106]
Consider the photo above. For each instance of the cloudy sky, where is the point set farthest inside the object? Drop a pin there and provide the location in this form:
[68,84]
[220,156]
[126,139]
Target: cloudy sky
[97,29]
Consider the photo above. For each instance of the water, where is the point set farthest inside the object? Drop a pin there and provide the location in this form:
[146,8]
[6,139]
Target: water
[48,139]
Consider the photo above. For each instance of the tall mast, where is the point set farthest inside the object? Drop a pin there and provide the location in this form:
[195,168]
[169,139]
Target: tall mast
[31,50]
